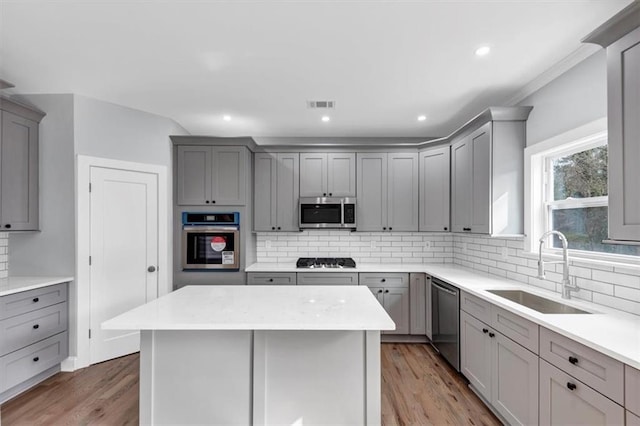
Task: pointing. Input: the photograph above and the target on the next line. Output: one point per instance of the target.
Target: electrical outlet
(504, 253)
(267, 244)
(373, 244)
(464, 247)
(427, 244)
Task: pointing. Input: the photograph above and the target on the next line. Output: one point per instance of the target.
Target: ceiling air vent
(321, 104)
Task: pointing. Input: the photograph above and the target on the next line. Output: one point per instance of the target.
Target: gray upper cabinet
(487, 178)
(276, 191)
(387, 188)
(211, 175)
(621, 37)
(434, 185)
(328, 174)
(18, 167)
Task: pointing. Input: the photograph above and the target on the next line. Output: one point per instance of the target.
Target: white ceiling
(383, 62)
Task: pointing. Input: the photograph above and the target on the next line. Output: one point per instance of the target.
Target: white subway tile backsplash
(4, 255)
(617, 287)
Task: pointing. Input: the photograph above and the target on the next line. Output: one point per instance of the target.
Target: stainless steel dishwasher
(445, 317)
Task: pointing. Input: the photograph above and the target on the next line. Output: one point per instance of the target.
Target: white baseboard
(69, 364)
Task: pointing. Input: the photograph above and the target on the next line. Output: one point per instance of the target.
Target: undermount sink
(537, 303)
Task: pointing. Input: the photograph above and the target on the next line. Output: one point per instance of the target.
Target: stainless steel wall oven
(210, 241)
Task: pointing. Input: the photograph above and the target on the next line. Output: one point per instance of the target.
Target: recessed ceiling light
(226, 117)
(326, 118)
(483, 50)
(422, 117)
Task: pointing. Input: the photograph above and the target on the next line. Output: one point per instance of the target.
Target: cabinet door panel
(287, 194)
(623, 76)
(229, 176)
(372, 192)
(515, 382)
(481, 180)
(396, 303)
(264, 190)
(560, 405)
(461, 185)
(402, 192)
(19, 173)
(434, 189)
(341, 174)
(313, 179)
(475, 354)
(194, 175)
(417, 309)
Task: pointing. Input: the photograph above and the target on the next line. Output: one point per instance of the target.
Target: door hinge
(89, 333)
(89, 260)
(89, 186)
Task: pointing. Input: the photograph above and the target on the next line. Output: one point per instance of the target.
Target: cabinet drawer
(518, 329)
(632, 419)
(581, 405)
(283, 278)
(384, 280)
(23, 330)
(632, 389)
(25, 363)
(481, 309)
(27, 301)
(327, 278)
(593, 368)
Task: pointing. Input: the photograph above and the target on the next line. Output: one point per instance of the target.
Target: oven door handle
(446, 290)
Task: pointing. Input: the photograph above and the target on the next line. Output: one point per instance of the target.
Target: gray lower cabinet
(327, 278)
(276, 191)
(597, 370)
(211, 175)
(434, 169)
(268, 278)
(565, 400)
(632, 419)
(387, 188)
(33, 337)
(18, 166)
(632, 389)
(503, 372)
(417, 304)
(428, 321)
(620, 35)
(392, 291)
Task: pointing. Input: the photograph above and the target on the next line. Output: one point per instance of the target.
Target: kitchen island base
(259, 377)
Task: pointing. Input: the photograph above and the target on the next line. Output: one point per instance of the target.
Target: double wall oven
(210, 241)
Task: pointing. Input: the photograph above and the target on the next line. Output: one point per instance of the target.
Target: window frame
(537, 190)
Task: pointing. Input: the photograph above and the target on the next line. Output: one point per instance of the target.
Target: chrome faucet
(567, 286)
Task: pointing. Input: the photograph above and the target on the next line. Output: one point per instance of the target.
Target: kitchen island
(259, 355)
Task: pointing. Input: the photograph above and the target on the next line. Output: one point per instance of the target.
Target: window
(569, 194)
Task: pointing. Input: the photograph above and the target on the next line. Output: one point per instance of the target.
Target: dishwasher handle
(446, 290)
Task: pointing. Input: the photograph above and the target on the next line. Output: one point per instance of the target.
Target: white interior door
(123, 248)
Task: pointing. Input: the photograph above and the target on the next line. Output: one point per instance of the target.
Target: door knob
(151, 268)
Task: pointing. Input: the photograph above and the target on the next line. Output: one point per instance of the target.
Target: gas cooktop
(325, 262)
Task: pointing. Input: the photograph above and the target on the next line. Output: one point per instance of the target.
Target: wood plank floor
(418, 388)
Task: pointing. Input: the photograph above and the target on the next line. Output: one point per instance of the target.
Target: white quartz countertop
(606, 330)
(258, 308)
(13, 285)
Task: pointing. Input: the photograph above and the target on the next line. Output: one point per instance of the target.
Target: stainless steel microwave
(327, 213)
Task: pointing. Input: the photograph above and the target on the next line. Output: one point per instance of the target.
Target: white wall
(575, 98)
(80, 125)
(52, 250)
